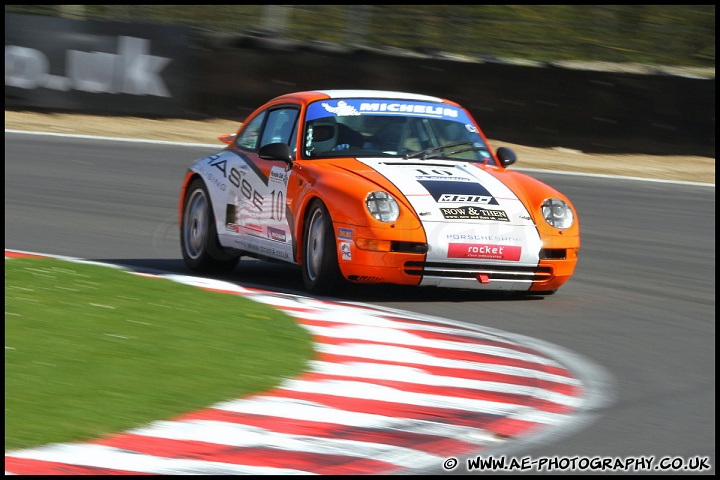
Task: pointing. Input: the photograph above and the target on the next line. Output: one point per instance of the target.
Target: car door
(256, 219)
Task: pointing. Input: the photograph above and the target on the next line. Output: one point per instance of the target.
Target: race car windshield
(365, 128)
(445, 151)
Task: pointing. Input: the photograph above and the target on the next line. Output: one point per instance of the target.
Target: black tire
(320, 270)
(201, 250)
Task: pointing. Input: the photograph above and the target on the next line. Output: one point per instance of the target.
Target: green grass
(92, 350)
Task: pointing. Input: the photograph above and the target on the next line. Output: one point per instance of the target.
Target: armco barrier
(152, 70)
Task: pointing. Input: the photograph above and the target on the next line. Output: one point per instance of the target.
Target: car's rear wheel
(320, 269)
(201, 249)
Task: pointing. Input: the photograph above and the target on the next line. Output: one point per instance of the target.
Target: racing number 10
(435, 172)
(276, 206)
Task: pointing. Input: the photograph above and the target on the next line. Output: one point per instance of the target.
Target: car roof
(313, 95)
(388, 94)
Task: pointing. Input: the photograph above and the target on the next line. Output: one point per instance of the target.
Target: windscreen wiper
(435, 151)
(462, 150)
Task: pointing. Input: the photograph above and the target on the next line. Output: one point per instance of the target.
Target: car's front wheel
(201, 250)
(321, 273)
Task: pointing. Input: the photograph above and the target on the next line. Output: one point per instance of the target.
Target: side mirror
(276, 151)
(506, 156)
(227, 137)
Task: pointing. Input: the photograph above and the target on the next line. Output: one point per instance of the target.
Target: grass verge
(92, 350)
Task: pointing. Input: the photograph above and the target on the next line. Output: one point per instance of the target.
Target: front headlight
(557, 213)
(382, 206)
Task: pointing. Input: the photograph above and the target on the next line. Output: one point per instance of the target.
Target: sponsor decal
(473, 213)
(454, 192)
(481, 238)
(276, 234)
(342, 109)
(441, 178)
(345, 233)
(253, 227)
(236, 178)
(233, 227)
(453, 198)
(278, 175)
(494, 252)
(345, 251)
(267, 251)
(381, 106)
(216, 181)
(409, 108)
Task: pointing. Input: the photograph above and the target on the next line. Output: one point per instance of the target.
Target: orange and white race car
(368, 186)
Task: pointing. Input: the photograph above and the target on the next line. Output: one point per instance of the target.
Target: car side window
(250, 135)
(279, 126)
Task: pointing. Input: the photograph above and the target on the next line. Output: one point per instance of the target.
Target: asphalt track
(390, 392)
(641, 306)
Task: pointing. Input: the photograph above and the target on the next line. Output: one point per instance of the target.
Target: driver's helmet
(324, 135)
(454, 132)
